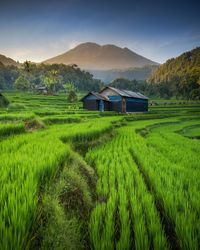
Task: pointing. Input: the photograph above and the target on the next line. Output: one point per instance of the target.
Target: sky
(40, 29)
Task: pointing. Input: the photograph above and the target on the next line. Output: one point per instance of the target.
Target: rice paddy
(145, 189)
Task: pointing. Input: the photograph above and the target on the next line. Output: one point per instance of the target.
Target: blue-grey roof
(128, 93)
(97, 95)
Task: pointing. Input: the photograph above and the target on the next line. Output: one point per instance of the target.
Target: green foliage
(123, 83)
(71, 92)
(51, 81)
(69, 87)
(3, 101)
(72, 97)
(8, 75)
(22, 83)
(2, 82)
(53, 76)
(179, 76)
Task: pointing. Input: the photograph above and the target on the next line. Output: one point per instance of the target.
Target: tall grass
(127, 203)
(11, 129)
(27, 162)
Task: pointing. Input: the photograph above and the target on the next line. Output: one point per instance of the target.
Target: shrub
(3, 101)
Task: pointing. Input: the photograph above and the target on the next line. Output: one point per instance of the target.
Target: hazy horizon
(157, 30)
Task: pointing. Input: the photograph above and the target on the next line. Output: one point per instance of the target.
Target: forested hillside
(54, 76)
(180, 75)
(8, 74)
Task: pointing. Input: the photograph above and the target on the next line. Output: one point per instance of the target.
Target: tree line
(30, 76)
(179, 77)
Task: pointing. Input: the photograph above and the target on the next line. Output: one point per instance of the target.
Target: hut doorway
(101, 105)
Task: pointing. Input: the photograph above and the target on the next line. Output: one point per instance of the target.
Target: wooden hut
(41, 90)
(112, 99)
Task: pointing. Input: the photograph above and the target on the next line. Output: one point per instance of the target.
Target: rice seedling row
(126, 204)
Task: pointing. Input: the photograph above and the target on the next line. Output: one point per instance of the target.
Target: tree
(72, 96)
(69, 87)
(22, 83)
(2, 82)
(195, 94)
(71, 92)
(51, 80)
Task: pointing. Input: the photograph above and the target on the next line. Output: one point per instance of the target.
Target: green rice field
(75, 179)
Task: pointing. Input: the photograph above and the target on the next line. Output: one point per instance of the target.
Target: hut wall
(136, 105)
(90, 104)
(115, 103)
(107, 106)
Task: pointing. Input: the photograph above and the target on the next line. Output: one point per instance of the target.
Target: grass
(66, 204)
(11, 129)
(35, 159)
(138, 190)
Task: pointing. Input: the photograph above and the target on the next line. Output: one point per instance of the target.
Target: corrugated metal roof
(97, 95)
(100, 96)
(128, 93)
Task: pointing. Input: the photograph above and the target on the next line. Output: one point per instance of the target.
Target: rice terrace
(74, 179)
(100, 125)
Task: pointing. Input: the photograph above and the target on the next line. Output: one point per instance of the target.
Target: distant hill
(179, 76)
(175, 69)
(92, 56)
(108, 76)
(8, 61)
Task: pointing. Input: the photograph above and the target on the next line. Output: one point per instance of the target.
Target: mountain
(92, 56)
(185, 65)
(8, 61)
(108, 76)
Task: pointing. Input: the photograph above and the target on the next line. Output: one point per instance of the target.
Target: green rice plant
(11, 129)
(61, 119)
(16, 106)
(15, 117)
(174, 178)
(138, 220)
(35, 160)
(143, 181)
(118, 171)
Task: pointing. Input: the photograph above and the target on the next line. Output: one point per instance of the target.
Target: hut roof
(126, 93)
(97, 95)
(41, 88)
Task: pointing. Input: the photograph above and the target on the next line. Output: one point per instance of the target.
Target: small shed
(41, 89)
(96, 101)
(112, 99)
